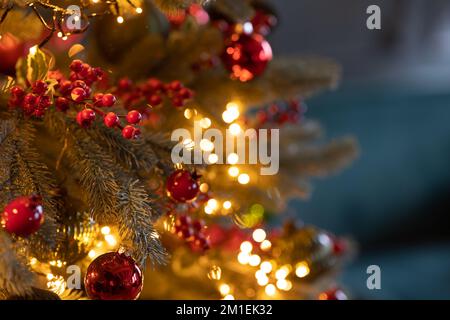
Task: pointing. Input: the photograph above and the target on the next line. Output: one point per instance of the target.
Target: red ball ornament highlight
(182, 186)
(113, 276)
(333, 294)
(23, 216)
(246, 56)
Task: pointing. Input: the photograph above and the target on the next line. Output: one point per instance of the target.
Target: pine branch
(136, 217)
(15, 277)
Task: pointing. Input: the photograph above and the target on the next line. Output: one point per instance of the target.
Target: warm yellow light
(33, 50)
(233, 171)
(188, 144)
(205, 123)
(227, 205)
(259, 235)
(244, 178)
(266, 245)
(33, 261)
(59, 34)
(120, 19)
(64, 38)
(260, 274)
(204, 187)
(246, 246)
(91, 254)
(227, 116)
(281, 273)
(138, 10)
(243, 257)
(232, 158)
(106, 230)
(111, 240)
(270, 290)
(209, 210)
(228, 297)
(213, 158)
(49, 276)
(224, 289)
(233, 110)
(206, 145)
(235, 129)
(302, 269)
(212, 203)
(284, 284)
(266, 267)
(188, 113)
(95, 1)
(262, 281)
(254, 260)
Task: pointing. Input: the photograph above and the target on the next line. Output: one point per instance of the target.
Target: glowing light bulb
(205, 123)
(188, 144)
(227, 205)
(106, 230)
(302, 269)
(228, 297)
(188, 113)
(206, 145)
(209, 210)
(139, 10)
(259, 235)
(254, 260)
(204, 187)
(235, 129)
(262, 281)
(244, 178)
(281, 273)
(233, 171)
(120, 19)
(91, 254)
(246, 246)
(266, 245)
(232, 158)
(213, 158)
(243, 257)
(266, 267)
(33, 50)
(284, 284)
(212, 203)
(224, 289)
(111, 240)
(270, 290)
(227, 117)
(233, 110)
(59, 34)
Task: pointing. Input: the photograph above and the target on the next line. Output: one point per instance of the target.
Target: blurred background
(395, 98)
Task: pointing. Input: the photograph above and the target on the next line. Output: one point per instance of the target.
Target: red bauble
(182, 186)
(113, 276)
(11, 49)
(265, 18)
(246, 56)
(23, 216)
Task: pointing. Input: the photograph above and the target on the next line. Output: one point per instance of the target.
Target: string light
(266, 267)
(139, 10)
(262, 281)
(243, 257)
(235, 129)
(259, 235)
(188, 113)
(120, 19)
(232, 158)
(284, 284)
(33, 50)
(270, 290)
(233, 171)
(206, 145)
(244, 178)
(246, 246)
(105, 230)
(265, 245)
(302, 269)
(254, 260)
(228, 297)
(205, 123)
(227, 205)
(224, 289)
(111, 240)
(213, 158)
(204, 187)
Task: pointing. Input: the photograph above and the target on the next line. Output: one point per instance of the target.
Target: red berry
(76, 65)
(108, 100)
(40, 87)
(181, 186)
(85, 117)
(98, 99)
(183, 221)
(154, 84)
(155, 100)
(79, 83)
(111, 119)
(133, 117)
(198, 225)
(130, 132)
(65, 87)
(78, 94)
(175, 85)
(184, 233)
(124, 84)
(85, 70)
(178, 102)
(17, 91)
(201, 243)
(98, 73)
(23, 216)
(43, 102)
(62, 104)
(185, 93)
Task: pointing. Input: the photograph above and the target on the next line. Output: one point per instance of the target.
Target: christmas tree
(89, 97)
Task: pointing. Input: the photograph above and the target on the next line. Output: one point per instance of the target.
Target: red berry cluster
(192, 231)
(291, 112)
(33, 103)
(76, 93)
(152, 92)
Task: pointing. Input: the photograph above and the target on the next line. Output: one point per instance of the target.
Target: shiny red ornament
(265, 18)
(182, 186)
(23, 216)
(11, 49)
(113, 276)
(246, 56)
